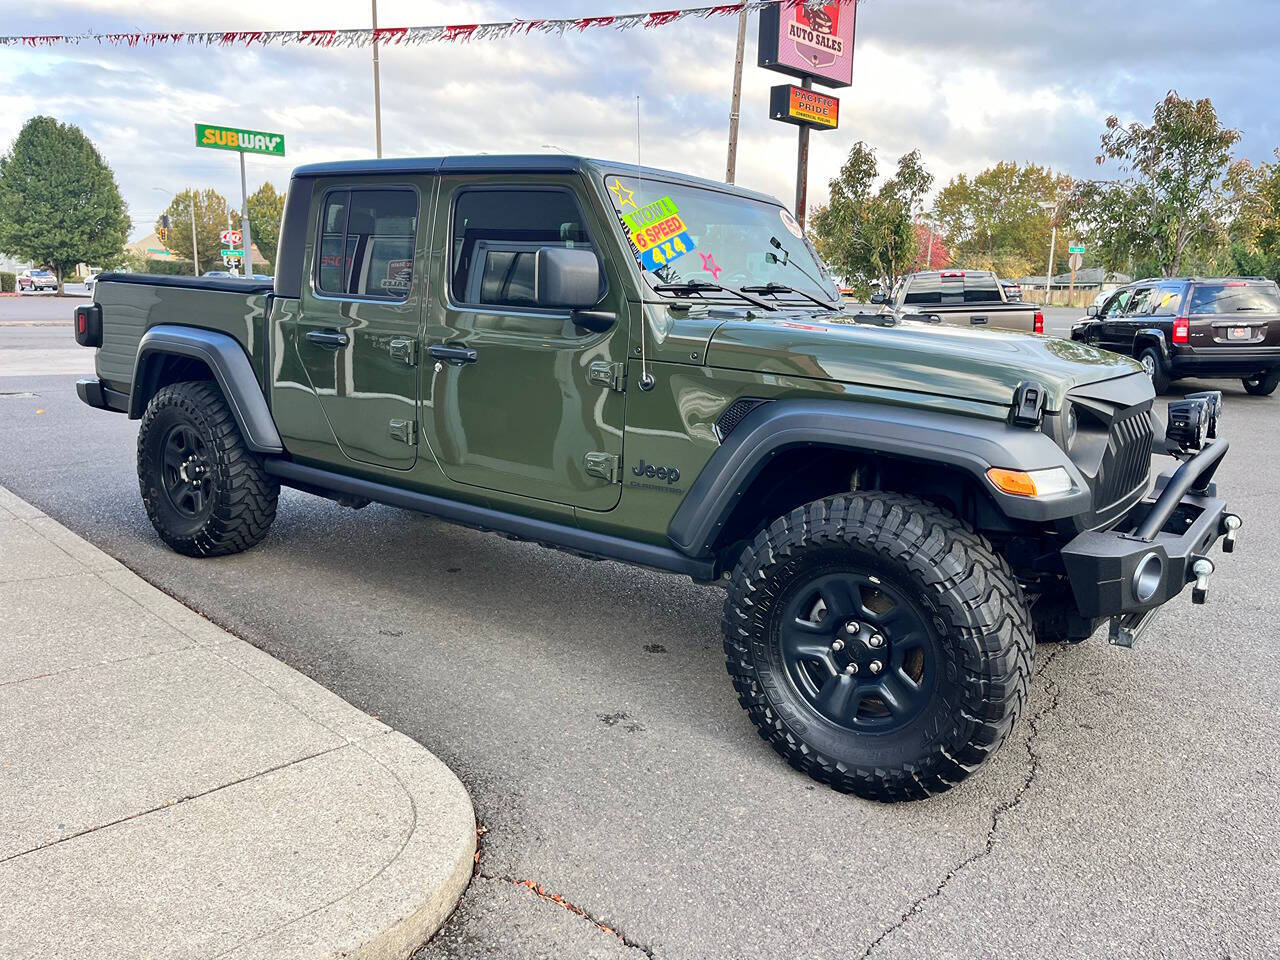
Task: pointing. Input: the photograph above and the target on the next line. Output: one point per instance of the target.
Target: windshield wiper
(703, 286)
(776, 288)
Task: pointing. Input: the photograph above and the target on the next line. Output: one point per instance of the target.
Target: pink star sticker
(710, 266)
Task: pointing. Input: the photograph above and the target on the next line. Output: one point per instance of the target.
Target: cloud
(969, 85)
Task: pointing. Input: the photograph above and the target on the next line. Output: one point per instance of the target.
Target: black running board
(572, 539)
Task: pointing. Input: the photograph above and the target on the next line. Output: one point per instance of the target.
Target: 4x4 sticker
(658, 233)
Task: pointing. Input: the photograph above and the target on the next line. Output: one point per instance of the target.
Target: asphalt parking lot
(586, 707)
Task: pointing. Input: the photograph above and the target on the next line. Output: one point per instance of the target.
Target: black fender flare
(973, 445)
(223, 355)
(1151, 335)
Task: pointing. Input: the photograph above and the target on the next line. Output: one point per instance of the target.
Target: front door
(517, 398)
(358, 328)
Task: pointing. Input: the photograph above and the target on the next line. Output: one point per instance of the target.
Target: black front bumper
(1148, 558)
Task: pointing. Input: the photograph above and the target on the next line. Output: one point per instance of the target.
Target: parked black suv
(1193, 327)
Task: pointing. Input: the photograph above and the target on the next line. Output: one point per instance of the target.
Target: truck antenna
(646, 379)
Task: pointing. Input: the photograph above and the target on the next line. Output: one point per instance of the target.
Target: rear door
(359, 317)
(1234, 313)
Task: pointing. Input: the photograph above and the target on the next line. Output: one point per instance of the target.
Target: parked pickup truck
(963, 298)
(655, 369)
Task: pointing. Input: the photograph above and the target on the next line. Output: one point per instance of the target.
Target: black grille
(1127, 461)
(734, 414)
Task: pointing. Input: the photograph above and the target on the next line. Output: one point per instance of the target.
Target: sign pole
(802, 165)
(247, 262)
(736, 101)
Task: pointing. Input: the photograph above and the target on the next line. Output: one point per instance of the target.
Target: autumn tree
(212, 216)
(59, 203)
(266, 208)
(932, 251)
(994, 219)
(866, 233)
(1254, 233)
(1174, 199)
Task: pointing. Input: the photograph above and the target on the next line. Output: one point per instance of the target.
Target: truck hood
(982, 365)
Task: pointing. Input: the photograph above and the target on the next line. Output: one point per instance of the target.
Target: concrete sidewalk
(167, 790)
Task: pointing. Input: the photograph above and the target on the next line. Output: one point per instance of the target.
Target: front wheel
(206, 493)
(1263, 385)
(879, 644)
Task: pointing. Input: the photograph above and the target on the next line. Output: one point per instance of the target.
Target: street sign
(812, 40)
(1076, 249)
(792, 104)
(245, 141)
(232, 238)
(1075, 260)
(233, 253)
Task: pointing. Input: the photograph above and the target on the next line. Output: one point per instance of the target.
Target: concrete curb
(177, 792)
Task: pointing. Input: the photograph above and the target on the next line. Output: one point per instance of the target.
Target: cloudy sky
(968, 83)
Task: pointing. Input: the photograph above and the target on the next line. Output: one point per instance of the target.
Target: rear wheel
(206, 493)
(879, 644)
(1263, 385)
(1154, 366)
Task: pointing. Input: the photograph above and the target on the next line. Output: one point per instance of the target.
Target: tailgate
(1001, 316)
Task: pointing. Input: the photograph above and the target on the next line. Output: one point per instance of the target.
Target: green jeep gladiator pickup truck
(652, 368)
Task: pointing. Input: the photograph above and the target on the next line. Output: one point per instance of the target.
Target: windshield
(687, 234)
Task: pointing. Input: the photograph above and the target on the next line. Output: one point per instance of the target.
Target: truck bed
(133, 303)
(1005, 316)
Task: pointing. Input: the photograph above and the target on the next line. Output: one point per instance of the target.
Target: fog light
(1147, 577)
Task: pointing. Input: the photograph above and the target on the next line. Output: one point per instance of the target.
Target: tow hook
(1201, 570)
(1230, 524)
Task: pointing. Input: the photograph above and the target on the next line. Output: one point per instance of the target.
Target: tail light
(89, 325)
(1039, 322)
(1182, 330)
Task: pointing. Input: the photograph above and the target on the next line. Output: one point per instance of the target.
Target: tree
(59, 203)
(994, 220)
(930, 257)
(266, 208)
(868, 235)
(1175, 202)
(1254, 233)
(213, 215)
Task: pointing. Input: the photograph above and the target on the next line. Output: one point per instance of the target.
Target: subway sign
(244, 141)
(804, 108)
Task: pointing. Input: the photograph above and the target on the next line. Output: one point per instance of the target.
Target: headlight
(1040, 484)
(1070, 426)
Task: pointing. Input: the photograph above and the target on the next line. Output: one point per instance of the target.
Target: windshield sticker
(710, 266)
(624, 195)
(792, 225)
(658, 233)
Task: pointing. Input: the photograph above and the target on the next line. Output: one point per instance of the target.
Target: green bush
(169, 268)
(8, 282)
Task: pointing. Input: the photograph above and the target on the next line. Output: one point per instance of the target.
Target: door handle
(456, 355)
(978, 319)
(329, 339)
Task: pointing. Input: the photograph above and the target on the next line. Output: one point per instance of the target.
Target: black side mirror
(565, 278)
(879, 297)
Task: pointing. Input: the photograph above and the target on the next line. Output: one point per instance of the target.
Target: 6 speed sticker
(658, 233)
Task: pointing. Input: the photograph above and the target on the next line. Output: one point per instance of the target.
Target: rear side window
(496, 236)
(1165, 301)
(1234, 298)
(366, 243)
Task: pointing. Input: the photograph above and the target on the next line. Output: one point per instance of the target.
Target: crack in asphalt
(555, 898)
(997, 814)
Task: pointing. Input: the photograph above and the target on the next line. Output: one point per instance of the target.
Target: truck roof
(511, 163)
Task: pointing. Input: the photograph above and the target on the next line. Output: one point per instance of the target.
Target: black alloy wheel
(186, 477)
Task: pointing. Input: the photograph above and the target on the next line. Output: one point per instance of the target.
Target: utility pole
(247, 237)
(802, 165)
(377, 88)
(736, 101)
(1052, 207)
(195, 254)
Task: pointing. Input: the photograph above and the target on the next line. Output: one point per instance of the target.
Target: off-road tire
(242, 495)
(977, 614)
(1263, 385)
(1154, 365)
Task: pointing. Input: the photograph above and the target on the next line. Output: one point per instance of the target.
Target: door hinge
(406, 350)
(406, 431)
(611, 375)
(602, 465)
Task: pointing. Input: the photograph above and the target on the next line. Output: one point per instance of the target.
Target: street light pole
(735, 102)
(377, 88)
(1053, 239)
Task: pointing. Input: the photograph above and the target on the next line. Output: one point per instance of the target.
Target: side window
(926, 289)
(496, 236)
(366, 243)
(1140, 303)
(1165, 301)
(1115, 306)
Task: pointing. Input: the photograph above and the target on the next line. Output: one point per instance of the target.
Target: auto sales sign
(809, 40)
(244, 141)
